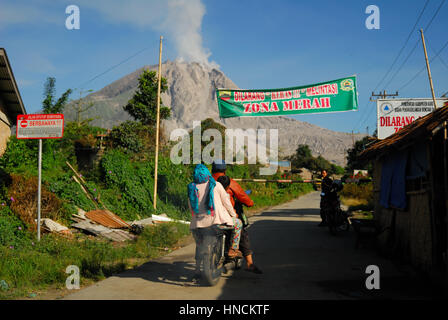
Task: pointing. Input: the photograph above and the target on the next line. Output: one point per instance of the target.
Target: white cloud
(35, 62)
(14, 13)
(24, 82)
(178, 20)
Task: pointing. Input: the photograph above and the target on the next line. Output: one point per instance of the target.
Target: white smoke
(180, 21)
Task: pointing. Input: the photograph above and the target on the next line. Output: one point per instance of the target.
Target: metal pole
(158, 120)
(429, 70)
(39, 188)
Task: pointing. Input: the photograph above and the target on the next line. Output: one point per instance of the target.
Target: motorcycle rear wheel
(213, 266)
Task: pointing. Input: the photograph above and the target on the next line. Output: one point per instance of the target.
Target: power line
(113, 67)
(417, 42)
(405, 43)
(440, 58)
(396, 58)
(406, 59)
(421, 70)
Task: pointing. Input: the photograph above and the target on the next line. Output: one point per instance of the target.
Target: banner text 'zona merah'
(332, 96)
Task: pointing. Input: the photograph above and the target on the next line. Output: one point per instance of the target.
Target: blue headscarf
(201, 175)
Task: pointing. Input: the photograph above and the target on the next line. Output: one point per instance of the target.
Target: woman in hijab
(210, 205)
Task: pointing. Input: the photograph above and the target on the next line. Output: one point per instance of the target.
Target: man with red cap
(238, 197)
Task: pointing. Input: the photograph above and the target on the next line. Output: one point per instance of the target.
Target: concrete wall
(5, 130)
(410, 237)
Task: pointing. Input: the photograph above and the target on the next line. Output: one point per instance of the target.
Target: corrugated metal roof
(419, 129)
(9, 91)
(107, 219)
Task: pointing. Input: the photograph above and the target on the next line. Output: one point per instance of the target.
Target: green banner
(332, 96)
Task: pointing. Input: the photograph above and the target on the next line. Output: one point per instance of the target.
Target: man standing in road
(325, 189)
(237, 194)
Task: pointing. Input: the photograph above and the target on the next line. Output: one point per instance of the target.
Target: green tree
(143, 105)
(50, 104)
(81, 106)
(353, 154)
(302, 157)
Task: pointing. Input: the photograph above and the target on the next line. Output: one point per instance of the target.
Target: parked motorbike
(337, 219)
(214, 254)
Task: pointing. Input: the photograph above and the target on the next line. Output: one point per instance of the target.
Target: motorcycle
(216, 244)
(337, 219)
(214, 250)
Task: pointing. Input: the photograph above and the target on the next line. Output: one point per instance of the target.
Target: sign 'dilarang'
(332, 96)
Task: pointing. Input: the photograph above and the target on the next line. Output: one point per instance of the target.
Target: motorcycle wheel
(213, 267)
(238, 264)
(345, 226)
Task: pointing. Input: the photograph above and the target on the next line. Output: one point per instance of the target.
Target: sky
(258, 44)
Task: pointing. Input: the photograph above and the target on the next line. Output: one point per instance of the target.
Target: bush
(360, 192)
(23, 201)
(20, 155)
(13, 232)
(126, 136)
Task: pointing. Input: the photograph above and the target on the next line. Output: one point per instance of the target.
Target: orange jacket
(236, 191)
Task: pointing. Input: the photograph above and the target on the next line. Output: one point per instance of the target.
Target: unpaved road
(299, 261)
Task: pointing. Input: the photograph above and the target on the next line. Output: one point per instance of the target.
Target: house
(410, 177)
(283, 166)
(11, 103)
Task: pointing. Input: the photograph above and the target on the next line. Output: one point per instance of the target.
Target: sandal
(253, 268)
(233, 253)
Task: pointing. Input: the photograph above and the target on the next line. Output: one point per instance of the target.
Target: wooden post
(429, 70)
(158, 126)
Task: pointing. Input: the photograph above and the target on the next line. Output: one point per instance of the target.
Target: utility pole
(383, 95)
(428, 69)
(158, 126)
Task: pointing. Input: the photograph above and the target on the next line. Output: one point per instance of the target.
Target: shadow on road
(177, 273)
(303, 261)
(299, 261)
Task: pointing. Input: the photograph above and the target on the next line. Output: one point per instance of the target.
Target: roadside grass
(125, 187)
(359, 199)
(38, 267)
(271, 194)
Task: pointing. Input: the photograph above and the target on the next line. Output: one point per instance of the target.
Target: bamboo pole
(428, 69)
(157, 125)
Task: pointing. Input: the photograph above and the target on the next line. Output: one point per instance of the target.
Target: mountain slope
(191, 96)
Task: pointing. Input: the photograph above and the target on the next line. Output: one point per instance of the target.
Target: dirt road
(299, 261)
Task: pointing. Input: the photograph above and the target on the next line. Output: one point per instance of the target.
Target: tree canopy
(143, 105)
(50, 104)
(353, 153)
(304, 159)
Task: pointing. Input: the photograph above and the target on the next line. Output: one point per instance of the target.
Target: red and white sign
(40, 126)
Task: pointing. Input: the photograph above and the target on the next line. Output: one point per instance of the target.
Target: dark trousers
(245, 243)
(323, 204)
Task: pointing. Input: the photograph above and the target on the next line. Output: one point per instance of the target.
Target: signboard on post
(394, 114)
(40, 126)
(331, 96)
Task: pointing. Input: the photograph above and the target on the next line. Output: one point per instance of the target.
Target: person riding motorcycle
(210, 205)
(325, 200)
(238, 197)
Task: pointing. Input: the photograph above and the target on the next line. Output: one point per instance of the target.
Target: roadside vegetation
(118, 167)
(359, 199)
